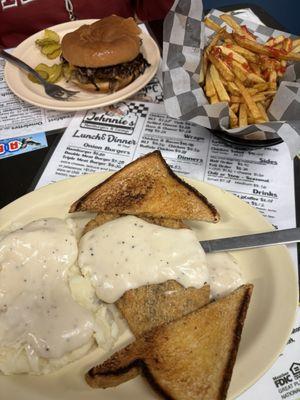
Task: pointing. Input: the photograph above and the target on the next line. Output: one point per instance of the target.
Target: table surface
(19, 174)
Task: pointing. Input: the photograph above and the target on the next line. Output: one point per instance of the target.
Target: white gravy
(36, 306)
(128, 252)
(37, 309)
(224, 273)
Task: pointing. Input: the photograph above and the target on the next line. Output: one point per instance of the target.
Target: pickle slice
(55, 73)
(49, 44)
(51, 73)
(55, 54)
(51, 35)
(33, 78)
(51, 48)
(45, 42)
(42, 67)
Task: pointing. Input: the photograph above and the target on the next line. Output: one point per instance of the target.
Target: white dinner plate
(269, 320)
(33, 93)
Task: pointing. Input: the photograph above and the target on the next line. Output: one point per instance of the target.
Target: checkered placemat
(140, 109)
(184, 39)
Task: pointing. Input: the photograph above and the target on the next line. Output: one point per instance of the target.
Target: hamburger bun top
(109, 41)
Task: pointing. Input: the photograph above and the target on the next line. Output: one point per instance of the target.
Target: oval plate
(33, 93)
(267, 327)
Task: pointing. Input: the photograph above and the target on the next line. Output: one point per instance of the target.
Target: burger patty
(113, 74)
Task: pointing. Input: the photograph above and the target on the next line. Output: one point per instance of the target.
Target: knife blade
(252, 241)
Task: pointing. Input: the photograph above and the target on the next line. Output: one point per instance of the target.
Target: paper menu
(107, 139)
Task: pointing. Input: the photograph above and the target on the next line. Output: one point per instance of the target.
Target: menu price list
(258, 176)
(78, 161)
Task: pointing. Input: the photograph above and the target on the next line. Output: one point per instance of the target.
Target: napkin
(185, 37)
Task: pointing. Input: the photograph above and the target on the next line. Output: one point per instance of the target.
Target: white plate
(269, 320)
(33, 93)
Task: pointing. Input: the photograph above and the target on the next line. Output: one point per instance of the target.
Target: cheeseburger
(104, 56)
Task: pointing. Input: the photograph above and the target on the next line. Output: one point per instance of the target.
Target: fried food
(248, 100)
(220, 89)
(243, 121)
(149, 306)
(249, 71)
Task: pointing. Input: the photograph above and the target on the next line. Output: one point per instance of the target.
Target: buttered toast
(190, 358)
(147, 187)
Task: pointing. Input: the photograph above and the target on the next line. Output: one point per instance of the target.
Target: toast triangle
(190, 358)
(147, 187)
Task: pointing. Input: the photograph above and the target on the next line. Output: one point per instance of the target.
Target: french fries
(212, 25)
(231, 53)
(235, 26)
(214, 99)
(235, 107)
(221, 67)
(259, 48)
(243, 119)
(248, 100)
(209, 86)
(243, 72)
(221, 91)
(262, 111)
(233, 119)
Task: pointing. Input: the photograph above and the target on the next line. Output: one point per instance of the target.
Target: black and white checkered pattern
(140, 109)
(184, 38)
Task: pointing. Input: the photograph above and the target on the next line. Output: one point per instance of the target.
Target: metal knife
(251, 241)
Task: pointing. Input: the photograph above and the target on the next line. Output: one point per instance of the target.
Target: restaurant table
(19, 174)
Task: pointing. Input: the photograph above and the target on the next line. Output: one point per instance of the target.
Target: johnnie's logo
(110, 122)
